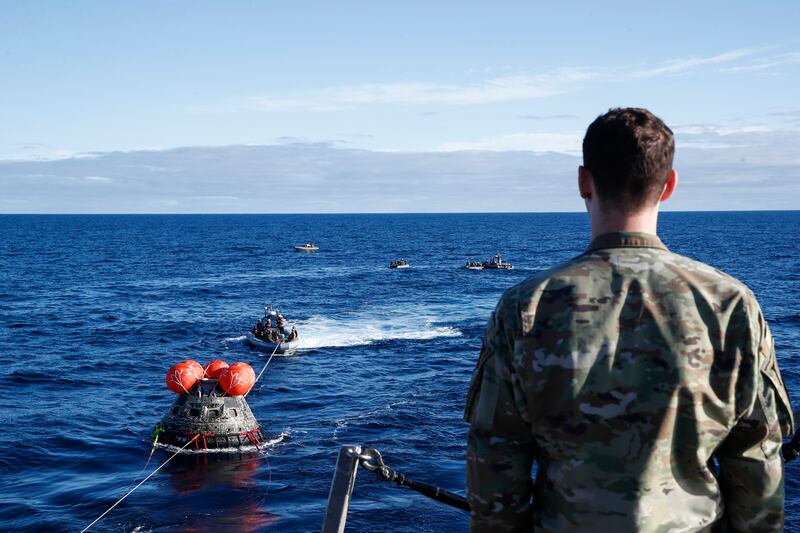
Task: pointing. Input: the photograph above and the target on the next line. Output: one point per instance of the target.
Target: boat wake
(322, 332)
(234, 340)
(366, 327)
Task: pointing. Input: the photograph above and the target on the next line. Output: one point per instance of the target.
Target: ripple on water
(110, 303)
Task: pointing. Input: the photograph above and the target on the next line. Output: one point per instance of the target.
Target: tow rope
(385, 473)
(140, 483)
(265, 367)
(158, 430)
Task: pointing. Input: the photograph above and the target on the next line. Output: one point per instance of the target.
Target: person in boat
(644, 384)
(258, 329)
(281, 328)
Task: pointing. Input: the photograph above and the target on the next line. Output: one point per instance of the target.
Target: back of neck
(645, 221)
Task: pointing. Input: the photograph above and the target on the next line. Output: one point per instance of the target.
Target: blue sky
(378, 78)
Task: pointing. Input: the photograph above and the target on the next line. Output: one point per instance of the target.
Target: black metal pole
(431, 491)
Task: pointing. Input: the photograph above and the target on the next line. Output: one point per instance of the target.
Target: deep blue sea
(95, 309)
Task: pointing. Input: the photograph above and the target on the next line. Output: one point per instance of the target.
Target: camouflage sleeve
(500, 448)
(751, 466)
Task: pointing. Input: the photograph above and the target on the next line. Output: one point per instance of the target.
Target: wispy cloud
(769, 147)
(690, 64)
(763, 65)
(786, 113)
(712, 129)
(567, 143)
(719, 168)
(787, 116)
(547, 117)
(511, 87)
(215, 198)
(35, 152)
(502, 89)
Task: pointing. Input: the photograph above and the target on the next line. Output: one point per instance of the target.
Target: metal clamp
(378, 467)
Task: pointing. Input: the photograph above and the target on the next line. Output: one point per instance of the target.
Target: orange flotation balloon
(214, 368)
(237, 379)
(198, 368)
(181, 377)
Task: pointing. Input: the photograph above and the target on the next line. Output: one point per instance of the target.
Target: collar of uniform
(626, 239)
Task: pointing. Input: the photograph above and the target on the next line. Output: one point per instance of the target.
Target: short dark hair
(629, 152)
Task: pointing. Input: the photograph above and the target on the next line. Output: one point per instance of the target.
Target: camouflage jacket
(643, 385)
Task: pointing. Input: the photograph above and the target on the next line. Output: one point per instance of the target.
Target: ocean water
(94, 310)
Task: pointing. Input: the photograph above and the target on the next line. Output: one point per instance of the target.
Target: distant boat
(497, 263)
(399, 263)
(473, 265)
(307, 247)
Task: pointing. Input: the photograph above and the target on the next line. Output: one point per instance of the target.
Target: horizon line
(340, 213)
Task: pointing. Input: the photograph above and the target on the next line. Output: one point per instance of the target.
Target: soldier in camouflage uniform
(641, 383)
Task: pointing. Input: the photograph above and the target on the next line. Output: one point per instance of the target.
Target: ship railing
(351, 457)
(344, 480)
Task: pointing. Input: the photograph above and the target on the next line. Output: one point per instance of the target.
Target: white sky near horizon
(392, 79)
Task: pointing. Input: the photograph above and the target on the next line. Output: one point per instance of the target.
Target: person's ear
(669, 186)
(585, 185)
